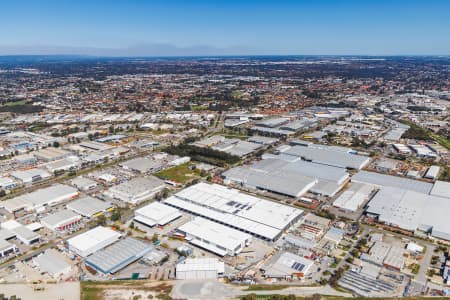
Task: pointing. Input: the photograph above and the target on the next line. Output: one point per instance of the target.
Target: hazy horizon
(204, 28)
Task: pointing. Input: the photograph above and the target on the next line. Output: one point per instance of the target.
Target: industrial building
(7, 183)
(441, 189)
(313, 227)
(411, 210)
(383, 254)
(117, 256)
(272, 122)
(52, 263)
(214, 237)
(63, 165)
(381, 180)
(51, 154)
(156, 213)
(30, 176)
(13, 229)
(40, 199)
(200, 268)
(136, 190)
(93, 240)
(25, 235)
(292, 177)
(263, 140)
(329, 155)
(143, 165)
(355, 196)
(231, 146)
(432, 172)
(278, 181)
(61, 221)
(7, 249)
(261, 218)
(286, 265)
(83, 183)
(89, 206)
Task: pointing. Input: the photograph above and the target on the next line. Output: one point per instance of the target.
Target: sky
(219, 27)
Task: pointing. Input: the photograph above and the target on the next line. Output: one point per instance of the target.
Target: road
(364, 234)
(212, 289)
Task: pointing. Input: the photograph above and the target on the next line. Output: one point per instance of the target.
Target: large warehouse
(136, 190)
(40, 199)
(262, 218)
(93, 240)
(381, 180)
(215, 237)
(61, 221)
(200, 268)
(355, 196)
(119, 255)
(292, 178)
(156, 213)
(89, 206)
(329, 155)
(411, 210)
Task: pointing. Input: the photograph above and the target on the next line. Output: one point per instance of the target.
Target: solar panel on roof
(298, 266)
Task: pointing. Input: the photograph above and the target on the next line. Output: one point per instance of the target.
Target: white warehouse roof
(156, 213)
(92, 240)
(411, 210)
(263, 218)
(215, 237)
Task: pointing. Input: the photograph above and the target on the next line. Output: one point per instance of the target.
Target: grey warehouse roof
(88, 206)
(329, 156)
(393, 181)
(412, 210)
(118, 255)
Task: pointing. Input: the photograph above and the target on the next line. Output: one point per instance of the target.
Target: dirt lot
(118, 290)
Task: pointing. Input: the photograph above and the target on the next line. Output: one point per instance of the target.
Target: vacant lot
(127, 290)
(182, 173)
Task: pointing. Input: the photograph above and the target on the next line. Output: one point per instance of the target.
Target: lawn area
(14, 103)
(442, 140)
(181, 173)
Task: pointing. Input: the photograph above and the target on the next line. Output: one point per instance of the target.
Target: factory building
(432, 172)
(61, 221)
(117, 256)
(262, 218)
(28, 177)
(292, 177)
(355, 196)
(156, 213)
(329, 155)
(143, 165)
(411, 210)
(52, 263)
(7, 249)
(286, 265)
(200, 268)
(136, 190)
(93, 240)
(214, 237)
(89, 206)
(83, 183)
(51, 154)
(381, 180)
(39, 200)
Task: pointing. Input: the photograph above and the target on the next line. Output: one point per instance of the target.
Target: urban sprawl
(223, 178)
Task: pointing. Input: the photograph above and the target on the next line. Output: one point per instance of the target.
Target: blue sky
(191, 27)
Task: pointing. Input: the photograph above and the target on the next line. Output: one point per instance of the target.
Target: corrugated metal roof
(393, 181)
